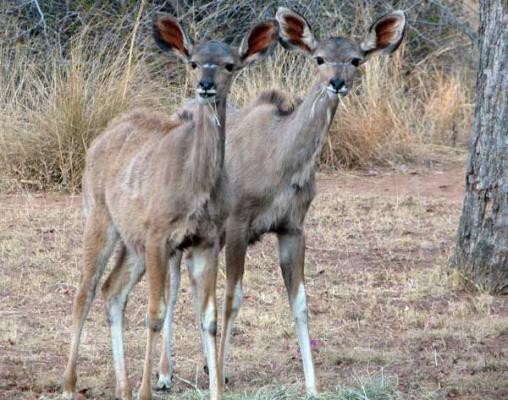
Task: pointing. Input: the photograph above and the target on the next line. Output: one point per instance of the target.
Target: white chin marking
(68, 396)
(331, 92)
(205, 100)
(164, 382)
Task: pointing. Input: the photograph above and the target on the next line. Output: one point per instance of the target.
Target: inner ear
(258, 43)
(170, 36)
(295, 31)
(385, 34)
(260, 39)
(387, 31)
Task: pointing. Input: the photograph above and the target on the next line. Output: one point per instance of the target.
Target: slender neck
(308, 127)
(207, 154)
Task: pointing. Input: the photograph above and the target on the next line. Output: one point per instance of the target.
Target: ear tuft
(386, 33)
(295, 31)
(170, 36)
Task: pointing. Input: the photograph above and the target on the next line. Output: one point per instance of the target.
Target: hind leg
(99, 241)
(128, 270)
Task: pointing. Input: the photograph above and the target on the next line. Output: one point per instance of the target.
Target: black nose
(337, 83)
(206, 84)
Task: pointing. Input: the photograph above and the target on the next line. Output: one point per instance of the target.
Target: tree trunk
(482, 250)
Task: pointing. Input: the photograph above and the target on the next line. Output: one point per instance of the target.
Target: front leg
(155, 255)
(291, 258)
(166, 363)
(203, 272)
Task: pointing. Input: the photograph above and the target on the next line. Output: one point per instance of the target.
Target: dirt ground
(382, 299)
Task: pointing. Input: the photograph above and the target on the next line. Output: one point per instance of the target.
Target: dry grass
(52, 111)
(51, 107)
(393, 117)
(381, 303)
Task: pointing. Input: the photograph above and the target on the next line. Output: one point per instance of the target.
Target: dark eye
(320, 60)
(356, 61)
(229, 67)
(193, 65)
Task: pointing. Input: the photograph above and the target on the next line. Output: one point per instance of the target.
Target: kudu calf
(271, 150)
(157, 186)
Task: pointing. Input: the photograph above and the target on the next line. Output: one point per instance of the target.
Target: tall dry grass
(398, 116)
(52, 110)
(393, 115)
(52, 106)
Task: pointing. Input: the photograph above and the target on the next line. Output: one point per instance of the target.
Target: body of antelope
(271, 149)
(157, 187)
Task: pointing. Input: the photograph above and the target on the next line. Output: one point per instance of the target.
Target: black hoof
(205, 370)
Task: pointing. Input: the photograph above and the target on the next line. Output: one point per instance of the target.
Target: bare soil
(382, 299)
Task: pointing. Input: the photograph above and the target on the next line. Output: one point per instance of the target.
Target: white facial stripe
(208, 65)
(336, 63)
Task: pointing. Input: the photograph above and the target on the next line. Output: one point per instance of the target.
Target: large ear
(295, 31)
(170, 36)
(259, 42)
(385, 34)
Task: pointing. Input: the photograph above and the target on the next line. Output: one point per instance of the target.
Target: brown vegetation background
(65, 72)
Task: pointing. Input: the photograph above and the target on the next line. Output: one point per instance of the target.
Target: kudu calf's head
(338, 57)
(213, 63)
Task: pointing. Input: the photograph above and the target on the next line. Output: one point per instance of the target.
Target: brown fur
(149, 120)
(285, 103)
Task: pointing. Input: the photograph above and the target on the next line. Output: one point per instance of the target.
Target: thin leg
(204, 278)
(98, 243)
(166, 364)
(236, 249)
(156, 268)
(127, 272)
(197, 308)
(292, 256)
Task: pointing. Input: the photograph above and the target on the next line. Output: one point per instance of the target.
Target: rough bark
(482, 249)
